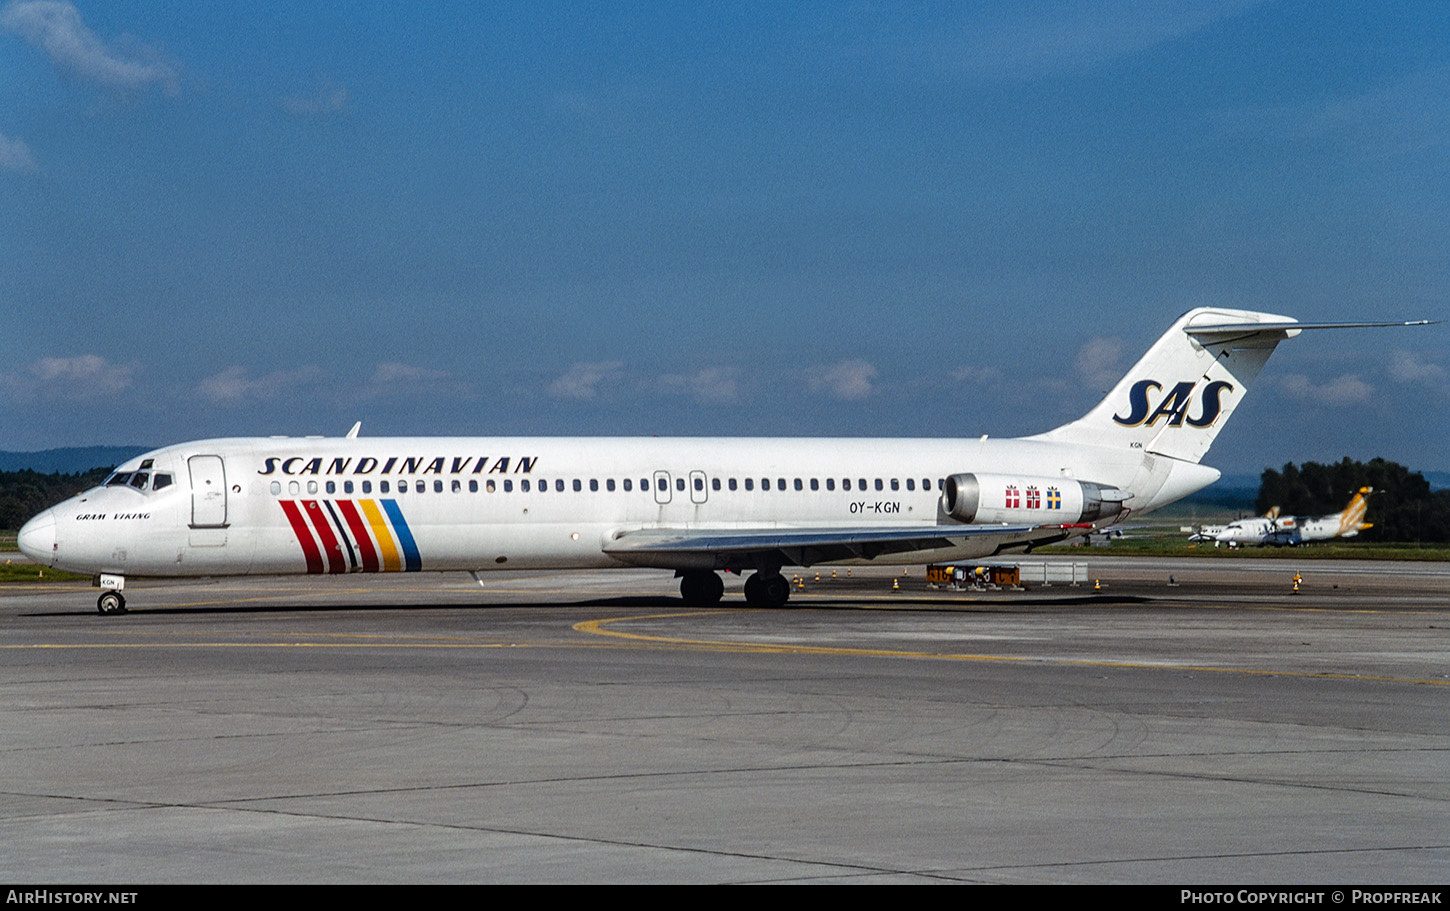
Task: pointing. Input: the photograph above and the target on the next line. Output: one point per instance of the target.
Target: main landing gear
(767, 589)
(764, 588)
(701, 588)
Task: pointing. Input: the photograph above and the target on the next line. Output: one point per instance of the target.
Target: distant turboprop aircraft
(1207, 533)
(1296, 530)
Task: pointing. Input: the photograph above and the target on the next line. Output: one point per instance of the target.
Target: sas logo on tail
(1174, 405)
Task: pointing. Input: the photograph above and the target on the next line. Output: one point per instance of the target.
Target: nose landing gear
(111, 603)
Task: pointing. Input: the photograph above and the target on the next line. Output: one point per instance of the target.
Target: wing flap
(743, 548)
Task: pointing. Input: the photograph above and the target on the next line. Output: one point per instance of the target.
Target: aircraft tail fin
(1180, 394)
(1351, 520)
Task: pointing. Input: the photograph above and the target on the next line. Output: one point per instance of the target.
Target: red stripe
(360, 535)
(336, 563)
(304, 536)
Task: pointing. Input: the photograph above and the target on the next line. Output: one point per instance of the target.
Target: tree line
(25, 493)
(1403, 507)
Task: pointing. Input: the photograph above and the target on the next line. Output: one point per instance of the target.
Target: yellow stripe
(391, 563)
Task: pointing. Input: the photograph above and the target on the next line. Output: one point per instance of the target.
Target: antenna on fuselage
(352, 434)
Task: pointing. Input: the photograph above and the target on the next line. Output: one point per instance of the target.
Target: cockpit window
(139, 479)
(118, 479)
(162, 479)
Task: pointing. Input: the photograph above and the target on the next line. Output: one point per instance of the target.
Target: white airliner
(1297, 530)
(696, 506)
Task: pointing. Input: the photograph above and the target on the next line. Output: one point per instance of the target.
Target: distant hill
(71, 460)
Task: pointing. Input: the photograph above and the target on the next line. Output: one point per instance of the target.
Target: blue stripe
(412, 562)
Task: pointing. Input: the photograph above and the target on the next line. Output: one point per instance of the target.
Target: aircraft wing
(742, 548)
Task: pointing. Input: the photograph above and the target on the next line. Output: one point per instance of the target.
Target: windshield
(139, 480)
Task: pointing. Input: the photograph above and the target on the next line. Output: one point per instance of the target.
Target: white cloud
(1097, 362)
(1025, 41)
(1406, 367)
(398, 379)
(15, 155)
(86, 377)
(976, 376)
(849, 380)
(56, 28)
(1344, 390)
(1403, 118)
(718, 385)
(582, 381)
(235, 384)
(329, 99)
(392, 373)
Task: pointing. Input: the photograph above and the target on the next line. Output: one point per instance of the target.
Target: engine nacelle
(1027, 500)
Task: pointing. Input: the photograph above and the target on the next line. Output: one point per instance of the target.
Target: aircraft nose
(37, 538)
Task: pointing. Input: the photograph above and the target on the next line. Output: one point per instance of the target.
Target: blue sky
(722, 219)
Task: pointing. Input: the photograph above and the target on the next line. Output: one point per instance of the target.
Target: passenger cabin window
(332, 487)
(347, 487)
(276, 488)
(367, 487)
(628, 485)
(830, 483)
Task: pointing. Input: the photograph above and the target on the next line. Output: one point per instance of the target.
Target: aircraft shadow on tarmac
(653, 602)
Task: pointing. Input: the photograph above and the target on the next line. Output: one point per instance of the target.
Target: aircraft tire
(111, 603)
(767, 590)
(701, 588)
